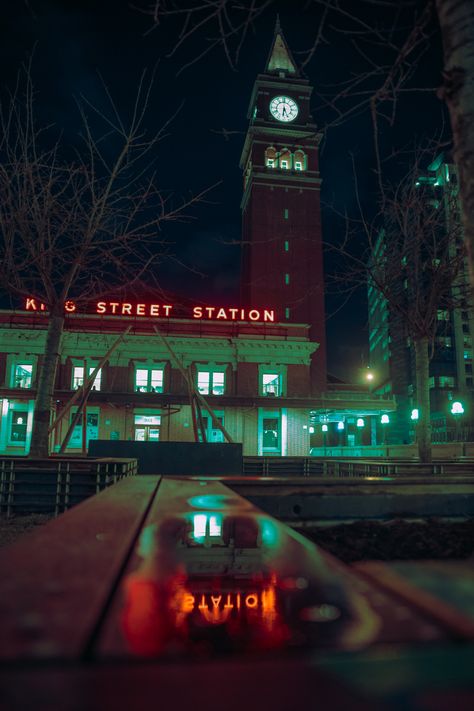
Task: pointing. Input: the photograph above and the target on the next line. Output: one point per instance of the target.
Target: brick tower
(282, 262)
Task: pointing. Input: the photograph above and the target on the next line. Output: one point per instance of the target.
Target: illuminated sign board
(148, 310)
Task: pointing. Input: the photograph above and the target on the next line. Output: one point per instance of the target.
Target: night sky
(75, 42)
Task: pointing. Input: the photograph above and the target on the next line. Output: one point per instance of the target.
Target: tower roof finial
(277, 24)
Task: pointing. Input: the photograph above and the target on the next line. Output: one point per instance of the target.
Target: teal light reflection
(270, 533)
(210, 501)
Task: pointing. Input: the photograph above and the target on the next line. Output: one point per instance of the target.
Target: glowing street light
(415, 414)
(457, 408)
(385, 419)
(340, 425)
(324, 428)
(360, 422)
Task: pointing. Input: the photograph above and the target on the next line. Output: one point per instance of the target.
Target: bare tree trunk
(423, 399)
(44, 397)
(456, 19)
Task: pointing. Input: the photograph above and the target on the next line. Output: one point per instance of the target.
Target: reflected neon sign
(216, 608)
(149, 310)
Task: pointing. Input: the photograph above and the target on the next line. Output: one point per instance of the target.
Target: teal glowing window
(149, 380)
(206, 527)
(22, 376)
(271, 384)
(78, 377)
(211, 382)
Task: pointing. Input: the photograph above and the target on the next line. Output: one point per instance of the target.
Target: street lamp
(369, 378)
(457, 409)
(384, 420)
(324, 429)
(415, 414)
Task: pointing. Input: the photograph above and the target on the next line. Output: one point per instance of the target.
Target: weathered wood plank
(55, 581)
(225, 684)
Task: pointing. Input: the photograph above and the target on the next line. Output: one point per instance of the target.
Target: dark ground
(13, 527)
(396, 540)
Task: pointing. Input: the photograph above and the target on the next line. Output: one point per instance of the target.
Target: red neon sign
(147, 310)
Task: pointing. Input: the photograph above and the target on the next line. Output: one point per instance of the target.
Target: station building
(261, 366)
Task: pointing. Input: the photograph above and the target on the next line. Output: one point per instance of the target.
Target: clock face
(283, 108)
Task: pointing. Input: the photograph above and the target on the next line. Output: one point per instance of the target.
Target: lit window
(442, 315)
(285, 213)
(271, 384)
(271, 433)
(446, 381)
(211, 382)
(287, 312)
(200, 525)
(300, 160)
(287, 246)
(207, 526)
(270, 157)
(287, 279)
(149, 380)
(285, 159)
(22, 375)
(18, 427)
(78, 377)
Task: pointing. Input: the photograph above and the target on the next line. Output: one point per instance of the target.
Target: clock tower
(282, 262)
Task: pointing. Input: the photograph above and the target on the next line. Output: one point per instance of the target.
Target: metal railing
(53, 485)
(311, 466)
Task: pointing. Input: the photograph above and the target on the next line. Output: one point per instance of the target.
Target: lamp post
(415, 416)
(324, 429)
(360, 426)
(457, 410)
(384, 421)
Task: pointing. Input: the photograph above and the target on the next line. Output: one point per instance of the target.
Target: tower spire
(280, 59)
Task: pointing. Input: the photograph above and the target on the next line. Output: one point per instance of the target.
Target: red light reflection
(179, 615)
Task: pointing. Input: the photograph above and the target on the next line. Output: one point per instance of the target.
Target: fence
(311, 466)
(54, 485)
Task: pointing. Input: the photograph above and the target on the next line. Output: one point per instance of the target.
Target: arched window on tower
(300, 160)
(285, 159)
(270, 157)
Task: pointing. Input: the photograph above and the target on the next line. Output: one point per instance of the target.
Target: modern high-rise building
(391, 351)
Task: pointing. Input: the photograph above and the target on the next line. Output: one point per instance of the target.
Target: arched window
(285, 159)
(270, 157)
(300, 160)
